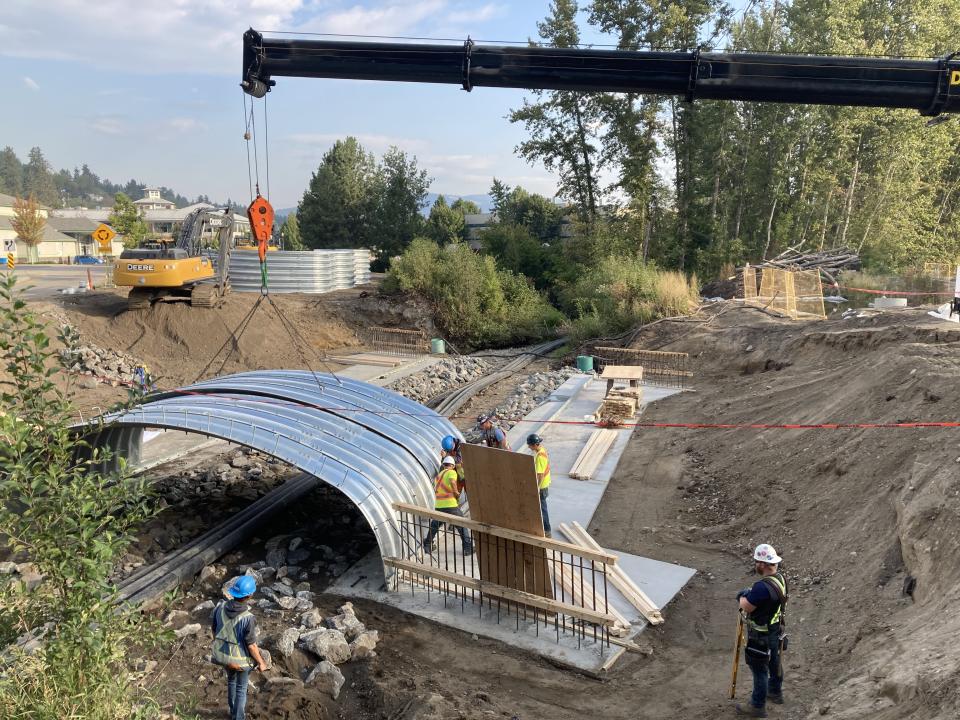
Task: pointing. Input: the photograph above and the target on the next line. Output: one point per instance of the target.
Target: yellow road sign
(104, 235)
(11, 261)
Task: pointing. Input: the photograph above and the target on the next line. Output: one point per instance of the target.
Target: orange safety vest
(446, 489)
(545, 482)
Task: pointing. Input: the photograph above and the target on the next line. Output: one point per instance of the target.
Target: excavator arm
(931, 86)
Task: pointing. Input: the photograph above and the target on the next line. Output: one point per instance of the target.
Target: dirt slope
(854, 512)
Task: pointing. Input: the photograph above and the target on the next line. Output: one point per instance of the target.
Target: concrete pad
(560, 420)
(382, 376)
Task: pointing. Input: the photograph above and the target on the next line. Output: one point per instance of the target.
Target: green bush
(623, 291)
(72, 522)
(474, 302)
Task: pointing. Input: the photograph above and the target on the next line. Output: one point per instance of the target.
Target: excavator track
(140, 299)
(205, 295)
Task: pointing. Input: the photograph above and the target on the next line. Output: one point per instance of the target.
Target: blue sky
(149, 90)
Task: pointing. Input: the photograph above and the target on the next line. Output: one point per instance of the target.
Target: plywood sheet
(622, 372)
(502, 490)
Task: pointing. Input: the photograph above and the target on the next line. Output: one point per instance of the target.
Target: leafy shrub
(622, 291)
(474, 301)
(72, 522)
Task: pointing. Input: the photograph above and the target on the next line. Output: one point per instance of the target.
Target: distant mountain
(281, 213)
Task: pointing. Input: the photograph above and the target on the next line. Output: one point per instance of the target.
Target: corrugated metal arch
(374, 445)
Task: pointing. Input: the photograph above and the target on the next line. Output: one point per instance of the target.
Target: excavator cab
(181, 272)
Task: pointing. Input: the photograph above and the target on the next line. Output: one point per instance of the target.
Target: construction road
(45, 281)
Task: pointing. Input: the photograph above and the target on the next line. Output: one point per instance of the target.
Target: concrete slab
(382, 376)
(560, 421)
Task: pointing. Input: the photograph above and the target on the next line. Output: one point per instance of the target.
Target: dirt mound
(180, 343)
(867, 519)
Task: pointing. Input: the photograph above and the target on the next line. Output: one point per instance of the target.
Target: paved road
(48, 280)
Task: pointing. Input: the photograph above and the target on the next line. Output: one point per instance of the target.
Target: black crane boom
(931, 86)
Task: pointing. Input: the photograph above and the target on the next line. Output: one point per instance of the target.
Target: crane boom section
(931, 86)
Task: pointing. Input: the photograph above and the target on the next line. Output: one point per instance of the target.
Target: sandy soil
(858, 515)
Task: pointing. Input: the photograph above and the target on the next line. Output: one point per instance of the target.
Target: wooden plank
(505, 593)
(582, 592)
(592, 454)
(617, 577)
(502, 488)
(622, 372)
(475, 526)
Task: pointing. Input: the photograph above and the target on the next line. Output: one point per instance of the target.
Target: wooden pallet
(618, 578)
(592, 454)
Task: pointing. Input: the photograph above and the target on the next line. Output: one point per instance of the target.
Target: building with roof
(61, 242)
(151, 200)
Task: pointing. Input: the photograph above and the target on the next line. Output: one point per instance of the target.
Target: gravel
(447, 374)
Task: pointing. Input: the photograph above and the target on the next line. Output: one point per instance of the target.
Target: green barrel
(585, 363)
(438, 346)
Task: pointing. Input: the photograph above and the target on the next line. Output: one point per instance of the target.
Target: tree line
(698, 185)
(65, 188)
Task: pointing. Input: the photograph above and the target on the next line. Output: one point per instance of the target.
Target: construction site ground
(860, 516)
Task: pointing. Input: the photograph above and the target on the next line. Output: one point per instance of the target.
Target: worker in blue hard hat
(450, 447)
(235, 642)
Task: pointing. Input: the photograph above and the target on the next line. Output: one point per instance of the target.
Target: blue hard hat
(243, 587)
(448, 443)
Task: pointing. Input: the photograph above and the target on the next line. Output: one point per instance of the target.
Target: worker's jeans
(767, 673)
(237, 693)
(544, 492)
(435, 526)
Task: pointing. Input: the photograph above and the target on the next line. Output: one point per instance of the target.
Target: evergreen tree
(399, 194)
(37, 179)
(465, 207)
(11, 172)
(290, 232)
(445, 224)
(336, 207)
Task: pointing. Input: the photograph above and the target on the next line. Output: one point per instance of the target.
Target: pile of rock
(100, 364)
(246, 475)
(333, 641)
(444, 375)
(528, 395)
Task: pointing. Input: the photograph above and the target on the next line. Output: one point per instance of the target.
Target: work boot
(775, 698)
(751, 711)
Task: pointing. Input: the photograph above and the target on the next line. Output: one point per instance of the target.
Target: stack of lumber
(616, 409)
(592, 454)
(369, 359)
(575, 589)
(575, 533)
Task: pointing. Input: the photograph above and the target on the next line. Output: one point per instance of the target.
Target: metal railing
(394, 341)
(662, 369)
(539, 583)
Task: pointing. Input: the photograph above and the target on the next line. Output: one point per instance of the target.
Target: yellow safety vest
(226, 646)
(777, 617)
(446, 489)
(542, 466)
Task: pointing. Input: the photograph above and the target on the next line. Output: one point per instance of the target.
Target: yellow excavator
(180, 272)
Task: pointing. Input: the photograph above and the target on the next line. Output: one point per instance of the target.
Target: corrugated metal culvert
(310, 271)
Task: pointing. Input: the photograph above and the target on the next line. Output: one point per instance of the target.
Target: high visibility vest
(778, 584)
(446, 489)
(227, 649)
(542, 465)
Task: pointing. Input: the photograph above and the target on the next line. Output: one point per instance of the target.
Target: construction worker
(451, 446)
(763, 605)
(542, 467)
(492, 435)
(235, 642)
(446, 492)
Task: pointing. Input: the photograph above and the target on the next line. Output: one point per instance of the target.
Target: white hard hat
(766, 554)
(448, 460)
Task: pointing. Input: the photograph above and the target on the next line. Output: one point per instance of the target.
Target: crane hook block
(260, 214)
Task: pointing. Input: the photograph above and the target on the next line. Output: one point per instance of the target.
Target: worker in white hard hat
(763, 607)
(446, 492)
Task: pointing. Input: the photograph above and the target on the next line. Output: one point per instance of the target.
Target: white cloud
(475, 15)
(390, 18)
(185, 124)
(31, 83)
(144, 37)
(108, 125)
